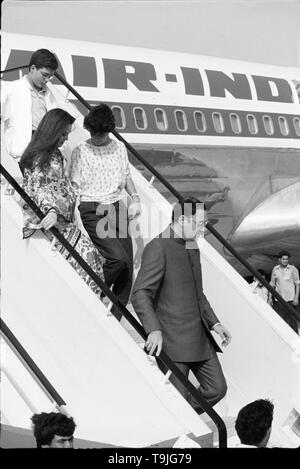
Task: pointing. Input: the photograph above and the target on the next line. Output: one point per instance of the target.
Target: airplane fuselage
(223, 130)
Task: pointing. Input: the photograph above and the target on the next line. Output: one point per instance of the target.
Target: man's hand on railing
(49, 221)
(223, 333)
(154, 342)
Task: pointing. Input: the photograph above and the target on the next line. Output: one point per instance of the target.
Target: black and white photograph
(150, 227)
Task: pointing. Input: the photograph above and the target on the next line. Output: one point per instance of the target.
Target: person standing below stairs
(254, 424)
(169, 300)
(53, 430)
(285, 280)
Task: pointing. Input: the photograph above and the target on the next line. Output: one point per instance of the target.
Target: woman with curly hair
(100, 171)
(46, 182)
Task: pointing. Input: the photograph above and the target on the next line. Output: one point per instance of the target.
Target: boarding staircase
(58, 339)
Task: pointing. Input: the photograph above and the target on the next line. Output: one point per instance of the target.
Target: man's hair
(283, 253)
(187, 207)
(43, 58)
(254, 420)
(99, 120)
(46, 425)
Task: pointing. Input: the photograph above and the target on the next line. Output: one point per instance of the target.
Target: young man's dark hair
(186, 206)
(254, 422)
(43, 58)
(283, 253)
(53, 430)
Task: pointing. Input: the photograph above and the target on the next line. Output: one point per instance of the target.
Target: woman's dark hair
(45, 139)
(46, 425)
(43, 58)
(99, 120)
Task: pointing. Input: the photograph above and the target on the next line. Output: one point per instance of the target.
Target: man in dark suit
(169, 300)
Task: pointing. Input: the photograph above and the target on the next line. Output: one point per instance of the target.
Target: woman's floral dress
(50, 188)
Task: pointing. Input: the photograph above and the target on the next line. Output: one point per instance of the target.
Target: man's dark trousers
(209, 374)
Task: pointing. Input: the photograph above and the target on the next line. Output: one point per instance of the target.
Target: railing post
(43, 380)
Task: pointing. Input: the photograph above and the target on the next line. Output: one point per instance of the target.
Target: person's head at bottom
(254, 423)
(53, 430)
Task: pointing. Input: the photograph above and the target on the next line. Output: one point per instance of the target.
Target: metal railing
(212, 230)
(218, 421)
(222, 431)
(287, 308)
(30, 363)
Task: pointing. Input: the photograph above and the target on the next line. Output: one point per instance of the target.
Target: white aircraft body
(222, 130)
(226, 131)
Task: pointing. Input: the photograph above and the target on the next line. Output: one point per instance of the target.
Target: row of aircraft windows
(141, 123)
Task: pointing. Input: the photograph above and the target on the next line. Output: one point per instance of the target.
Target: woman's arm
(135, 206)
(130, 188)
(35, 186)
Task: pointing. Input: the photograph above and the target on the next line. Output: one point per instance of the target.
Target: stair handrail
(221, 427)
(214, 232)
(30, 363)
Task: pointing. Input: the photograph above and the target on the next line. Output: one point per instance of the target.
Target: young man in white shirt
(24, 102)
(285, 280)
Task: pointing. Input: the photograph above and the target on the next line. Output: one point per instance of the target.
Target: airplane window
(268, 124)
(235, 122)
(161, 119)
(218, 122)
(252, 124)
(119, 117)
(181, 120)
(140, 118)
(297, 125)
(200, 122)
(283, 125)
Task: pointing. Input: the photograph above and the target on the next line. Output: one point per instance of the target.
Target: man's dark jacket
(168, 296)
